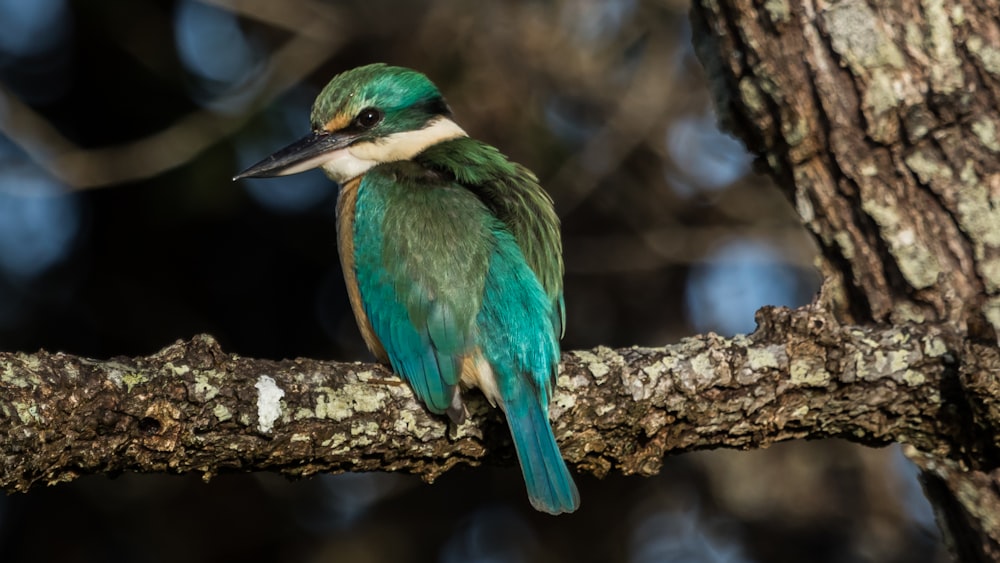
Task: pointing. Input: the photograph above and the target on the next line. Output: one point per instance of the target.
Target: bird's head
(364, 117)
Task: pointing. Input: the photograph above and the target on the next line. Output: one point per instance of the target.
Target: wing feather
(422, 248)
(514, 196)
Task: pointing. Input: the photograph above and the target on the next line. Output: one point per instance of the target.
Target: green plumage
(421, 277)
(406, 97)
(513, 195)
(451, 254)
(442, 277)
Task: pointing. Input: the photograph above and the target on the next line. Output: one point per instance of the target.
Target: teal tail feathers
(550, 486)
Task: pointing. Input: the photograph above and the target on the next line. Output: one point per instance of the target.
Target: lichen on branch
(193, 408)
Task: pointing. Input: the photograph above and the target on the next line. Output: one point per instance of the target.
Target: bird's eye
(368, 118)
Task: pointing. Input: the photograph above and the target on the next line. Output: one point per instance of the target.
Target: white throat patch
(350, 162)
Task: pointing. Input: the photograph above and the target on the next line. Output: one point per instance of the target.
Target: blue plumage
(550, 486)
(437, 294)
(520, 341)
(451, 254)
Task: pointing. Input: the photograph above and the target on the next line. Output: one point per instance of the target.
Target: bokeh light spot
(493, 534)
(38, 223)
(214, 48)
(917, 505)
(348, 497)
(32, 27)
(596, 20)
(724, 292)
(679, 536)
(288, 194)
(709, 158)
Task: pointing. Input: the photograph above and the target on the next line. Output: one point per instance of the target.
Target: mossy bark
(193, 408)
(880, 121)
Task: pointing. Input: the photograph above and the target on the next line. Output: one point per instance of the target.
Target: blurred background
(121, 124)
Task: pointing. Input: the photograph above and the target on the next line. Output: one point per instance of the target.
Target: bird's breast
(347, 206)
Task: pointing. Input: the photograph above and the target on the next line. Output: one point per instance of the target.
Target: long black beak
(305, 154)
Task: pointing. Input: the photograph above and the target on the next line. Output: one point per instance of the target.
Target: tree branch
(193, 408)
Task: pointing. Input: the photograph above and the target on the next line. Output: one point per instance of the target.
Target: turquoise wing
(519, 339)
(421, 249)
(443, 280)
(513, 195)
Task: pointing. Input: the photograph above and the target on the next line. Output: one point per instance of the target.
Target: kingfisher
(451, 255)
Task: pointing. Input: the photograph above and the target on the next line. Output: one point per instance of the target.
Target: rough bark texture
(191, 407)
(882, 125)
(880, 120)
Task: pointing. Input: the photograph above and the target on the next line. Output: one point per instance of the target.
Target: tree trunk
(880, 121)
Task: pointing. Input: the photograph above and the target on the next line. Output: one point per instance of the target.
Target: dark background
(121, 124)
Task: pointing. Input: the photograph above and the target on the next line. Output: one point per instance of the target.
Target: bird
(451, 253)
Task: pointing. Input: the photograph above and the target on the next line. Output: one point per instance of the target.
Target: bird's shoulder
(471, 162)
(513, 194)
